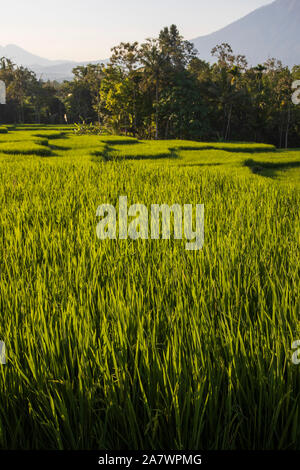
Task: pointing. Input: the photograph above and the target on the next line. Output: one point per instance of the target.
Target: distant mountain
(44, 68)
(61, 71)
(22, 57)
(270, 31)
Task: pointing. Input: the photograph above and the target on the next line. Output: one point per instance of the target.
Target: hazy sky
(87, 29)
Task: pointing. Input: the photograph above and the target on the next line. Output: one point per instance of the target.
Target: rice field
(123, 344)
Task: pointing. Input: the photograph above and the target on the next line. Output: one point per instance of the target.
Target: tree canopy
(162, 89)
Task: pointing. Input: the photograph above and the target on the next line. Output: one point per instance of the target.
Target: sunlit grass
(141, 344)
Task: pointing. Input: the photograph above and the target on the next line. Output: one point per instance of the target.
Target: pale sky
(87, 29)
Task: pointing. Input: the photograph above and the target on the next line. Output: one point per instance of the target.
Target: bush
(90, 129)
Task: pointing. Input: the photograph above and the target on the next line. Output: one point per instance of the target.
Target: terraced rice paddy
(123, 344)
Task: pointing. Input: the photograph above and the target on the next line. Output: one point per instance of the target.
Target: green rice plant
(122, 344)
(138, 151)
(118, 140)
(26, 148)
(21, 137)
(229, 146)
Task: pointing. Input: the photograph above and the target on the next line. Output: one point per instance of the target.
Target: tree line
(161, 89)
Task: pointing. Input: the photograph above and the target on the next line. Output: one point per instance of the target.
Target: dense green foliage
(29, 99)
(141, 344)
(162, 89)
